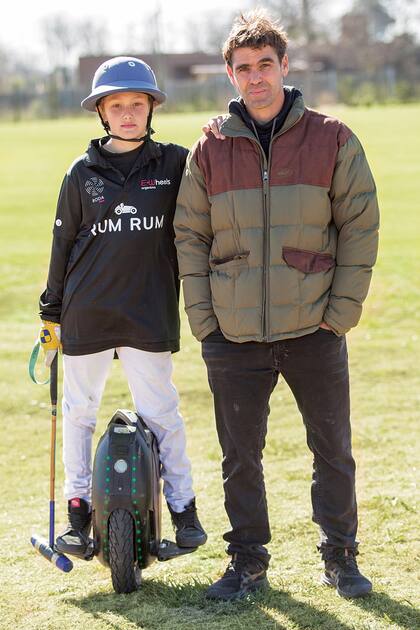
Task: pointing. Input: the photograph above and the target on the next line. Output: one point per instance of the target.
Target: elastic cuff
(180, 505)
(322, 547)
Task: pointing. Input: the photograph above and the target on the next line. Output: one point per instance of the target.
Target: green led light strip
(105, 513)
(136, 511)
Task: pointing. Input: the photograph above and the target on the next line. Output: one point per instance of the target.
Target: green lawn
(384, 355)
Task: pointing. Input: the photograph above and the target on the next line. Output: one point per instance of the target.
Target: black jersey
(113, 277)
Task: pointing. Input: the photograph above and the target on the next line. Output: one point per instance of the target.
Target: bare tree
(151, 39)
(388, 18)
(379, 15)
(93, 36)
(61, 39)
(300, 18)
(287, 12)
(4, 64)
(134, 38)
(209, 32)
(67, 38)
(406, 16)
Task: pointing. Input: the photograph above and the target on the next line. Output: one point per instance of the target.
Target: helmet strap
(149, 130)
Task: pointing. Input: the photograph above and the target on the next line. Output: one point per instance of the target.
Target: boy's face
(126, 113)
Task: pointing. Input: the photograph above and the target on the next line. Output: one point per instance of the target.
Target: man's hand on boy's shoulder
(213, 125)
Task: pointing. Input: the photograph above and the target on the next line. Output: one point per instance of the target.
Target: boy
(113, 288)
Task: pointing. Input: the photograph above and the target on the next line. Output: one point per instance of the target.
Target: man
(276, 232)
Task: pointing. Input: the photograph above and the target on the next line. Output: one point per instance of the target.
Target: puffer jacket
(268, 249)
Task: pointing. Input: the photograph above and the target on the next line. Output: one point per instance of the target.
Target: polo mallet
(45, 548)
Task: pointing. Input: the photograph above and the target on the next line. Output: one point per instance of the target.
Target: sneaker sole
(198, 542)
(78, 552)
(263, 585)
(326, 581)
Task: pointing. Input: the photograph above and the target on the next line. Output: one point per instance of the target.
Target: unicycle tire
(125, 573)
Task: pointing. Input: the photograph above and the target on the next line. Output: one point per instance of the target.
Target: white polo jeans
(155, 400)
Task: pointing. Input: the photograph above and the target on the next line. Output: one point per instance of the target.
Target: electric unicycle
(126, 502)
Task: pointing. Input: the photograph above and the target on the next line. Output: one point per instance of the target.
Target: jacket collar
(233, 126)
(93, 157)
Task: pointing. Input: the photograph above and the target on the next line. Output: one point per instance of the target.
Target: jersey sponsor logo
(123, 209)
(94, 187)
(134, 224)
(152, 184)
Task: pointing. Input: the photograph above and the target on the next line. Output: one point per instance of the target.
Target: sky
(21, 32)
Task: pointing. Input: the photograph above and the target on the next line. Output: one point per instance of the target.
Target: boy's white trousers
(155, 400)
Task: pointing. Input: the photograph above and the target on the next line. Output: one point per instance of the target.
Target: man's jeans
(242, 377)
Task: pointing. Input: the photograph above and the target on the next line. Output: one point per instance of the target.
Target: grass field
(384, 356)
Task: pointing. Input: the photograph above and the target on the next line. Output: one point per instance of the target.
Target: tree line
(379, 37)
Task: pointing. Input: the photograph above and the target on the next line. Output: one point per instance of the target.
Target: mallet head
(58, 559)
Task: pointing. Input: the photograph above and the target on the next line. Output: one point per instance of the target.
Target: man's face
(257, 74)
(126, 113)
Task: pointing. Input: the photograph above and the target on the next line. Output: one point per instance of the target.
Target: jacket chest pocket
(307, 261)
(229, 265)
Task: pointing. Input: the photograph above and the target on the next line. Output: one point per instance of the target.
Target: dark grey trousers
(242, 377)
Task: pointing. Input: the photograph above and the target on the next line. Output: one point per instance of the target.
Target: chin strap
(147, 135)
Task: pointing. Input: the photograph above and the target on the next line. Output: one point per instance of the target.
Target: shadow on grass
(390, 610)
(166, 605)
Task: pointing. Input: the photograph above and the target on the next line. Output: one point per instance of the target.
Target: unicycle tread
(125, 572)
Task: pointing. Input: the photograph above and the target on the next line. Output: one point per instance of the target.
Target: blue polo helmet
(122, 74)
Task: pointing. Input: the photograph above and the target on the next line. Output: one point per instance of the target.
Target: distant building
(168, 66)
(327, 72)
(198, 79)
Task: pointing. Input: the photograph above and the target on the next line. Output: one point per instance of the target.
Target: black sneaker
(342, 572)
(245, 574)
(75, 538)
(188, 529)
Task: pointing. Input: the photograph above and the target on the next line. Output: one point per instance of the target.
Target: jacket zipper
(266, 249)
(266, 239)
(264, 175)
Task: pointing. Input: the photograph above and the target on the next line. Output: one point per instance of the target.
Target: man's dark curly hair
(255, 29)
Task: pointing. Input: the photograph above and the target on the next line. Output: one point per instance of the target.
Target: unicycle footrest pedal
(168, 550)
(91, 550)
(88, 554)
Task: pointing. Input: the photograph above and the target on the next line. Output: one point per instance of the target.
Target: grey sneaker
(341, 571)
(244, 574)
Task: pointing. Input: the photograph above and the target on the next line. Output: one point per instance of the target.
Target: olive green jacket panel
(356, 215)
(194, 237)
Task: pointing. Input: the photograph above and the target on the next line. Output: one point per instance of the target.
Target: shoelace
(185, 518)
(240, 563)
(78, 522)
(345, 558)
